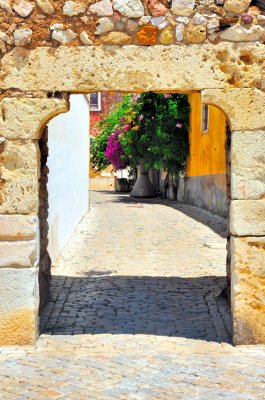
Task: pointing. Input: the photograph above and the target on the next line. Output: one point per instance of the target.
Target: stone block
(24, 118)
(198, 67)
(248, 165)
(236, 6)
(18, 227)
(247, 217)
(183, 7)
(247, 289)
(19, 171)
(19, 303)
(24, 254)
(243, 107)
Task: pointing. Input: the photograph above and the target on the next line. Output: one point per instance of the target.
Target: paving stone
(135, 313)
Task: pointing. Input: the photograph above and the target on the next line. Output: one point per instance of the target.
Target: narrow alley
(137, 311)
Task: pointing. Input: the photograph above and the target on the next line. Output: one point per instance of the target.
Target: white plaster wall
(68, 173)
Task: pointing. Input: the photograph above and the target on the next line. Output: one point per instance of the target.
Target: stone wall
(125, 22)
(206, 191)
(53, 47)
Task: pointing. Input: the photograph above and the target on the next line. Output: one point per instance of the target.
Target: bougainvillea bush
(150, 126)
(106, 127)
(114, 151)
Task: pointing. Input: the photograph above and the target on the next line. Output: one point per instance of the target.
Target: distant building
(101, 104)
(205, 181)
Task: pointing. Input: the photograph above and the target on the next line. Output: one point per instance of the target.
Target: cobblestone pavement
(137, 312)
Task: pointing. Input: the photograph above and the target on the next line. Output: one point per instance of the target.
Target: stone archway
(26, 110)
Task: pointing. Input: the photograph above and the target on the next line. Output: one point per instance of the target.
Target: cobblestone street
(137, 311)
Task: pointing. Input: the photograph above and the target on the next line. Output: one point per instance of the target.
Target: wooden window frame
(98, 106)
(205, 118)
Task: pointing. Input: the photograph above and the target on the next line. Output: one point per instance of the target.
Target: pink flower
(126, 128)
(179, 125)
(135, 98)
(141, 117)
(166, 95)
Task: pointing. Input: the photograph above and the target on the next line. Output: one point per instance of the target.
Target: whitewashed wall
(68, 173)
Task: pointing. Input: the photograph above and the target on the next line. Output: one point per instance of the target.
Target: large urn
(143, 186)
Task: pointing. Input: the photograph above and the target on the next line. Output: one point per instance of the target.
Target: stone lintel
(133, 68)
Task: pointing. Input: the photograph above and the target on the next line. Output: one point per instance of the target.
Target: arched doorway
(115, 69)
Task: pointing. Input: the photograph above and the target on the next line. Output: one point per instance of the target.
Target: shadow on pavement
(98, 302)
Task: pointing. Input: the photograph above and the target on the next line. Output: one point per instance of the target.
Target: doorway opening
(130, 258)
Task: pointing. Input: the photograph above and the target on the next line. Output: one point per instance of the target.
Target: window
(205, 118)
(95, 101)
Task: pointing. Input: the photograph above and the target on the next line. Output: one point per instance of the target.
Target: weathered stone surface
(199, 19)
(45, 6)
(6, 38)
(212, 67)
(156, 8)
(19, 171)
(131, 26)
(22, 37)
(183, 7)
(156, 21)
(19, 302)
(64, 36)
(23, 118)
(117, 38)
(181, 20)
(19, 254)
(248, 297)
(129, 8)
(147, 35)
(102, 8)
(166, 36)
(179, 32)
(239, 33)
(195, 34)
(18, 227)
(23, 8)
(104, 25)
(144, 20)
(248, 165)
(72, 8)
(5, 5)
(206, 191)
(243, 107)
(247, 217)
(85, 38)
(213, 25)
(237, 6)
